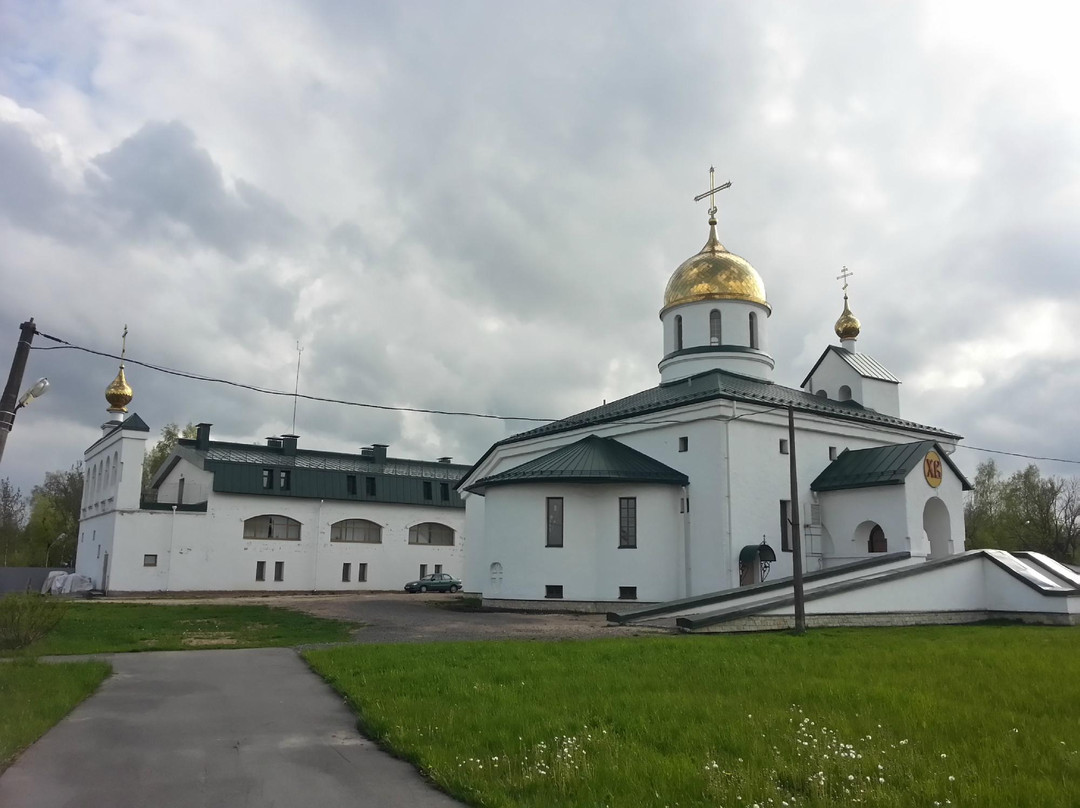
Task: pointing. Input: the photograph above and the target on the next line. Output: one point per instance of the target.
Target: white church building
(684, 488)
(261, 518)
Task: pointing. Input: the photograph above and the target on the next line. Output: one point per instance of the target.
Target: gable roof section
(882, 465)
(709, 386)
(589, 460)
(863, 364)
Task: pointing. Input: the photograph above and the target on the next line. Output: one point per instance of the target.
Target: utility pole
(796, 537)
(11, 391)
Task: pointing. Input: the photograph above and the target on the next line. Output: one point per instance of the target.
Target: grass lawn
(35, 695)
(91, 628)
(963, 716)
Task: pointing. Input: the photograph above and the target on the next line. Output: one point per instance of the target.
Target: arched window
(272, 526)
(714, 327)
(822, 393)
(108, 471)
(115, 468)
(845, 393)
(877, 542)
(753, 330)
(356, 530)
(678, 332)
(431, 533)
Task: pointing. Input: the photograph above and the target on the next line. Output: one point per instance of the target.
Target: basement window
(346, 572)
(260, 570)
(627, 593)
(149, 560)
(361, 573)
(784, 446)
(553, 591)
(279, 570)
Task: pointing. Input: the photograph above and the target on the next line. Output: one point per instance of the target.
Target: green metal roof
(238, 469)
(863, 364)
(718, 385)
(589, 460)
(882, 465)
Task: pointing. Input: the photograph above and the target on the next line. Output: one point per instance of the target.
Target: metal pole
(796, 537)
(11, 391)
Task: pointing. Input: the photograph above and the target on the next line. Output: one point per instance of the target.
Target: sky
(475, 206)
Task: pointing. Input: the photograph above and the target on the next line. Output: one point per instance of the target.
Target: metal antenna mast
(296, 389)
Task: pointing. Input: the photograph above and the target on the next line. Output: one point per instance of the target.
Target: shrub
(25, 618)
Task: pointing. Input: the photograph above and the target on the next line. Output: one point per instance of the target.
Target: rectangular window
(284, 480)
(268, 479)
(783, 446)
(260, 570)
(350, 483)
(149, 560)
(346, 572)
(554, 521)
(551, 591)
(832, 453)
(627, 593)
(369, 486)
(361, 573)
(684, 444)
(785, 525)
(438, 568)
(279, 570)
(444, 492)
(427, 489)
(627, 521)
(423, 570)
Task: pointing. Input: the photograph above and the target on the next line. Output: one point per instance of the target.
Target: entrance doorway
(937, 527)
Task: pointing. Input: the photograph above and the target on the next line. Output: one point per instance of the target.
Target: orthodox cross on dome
(711, 193)
(843, 276)
(123, 345)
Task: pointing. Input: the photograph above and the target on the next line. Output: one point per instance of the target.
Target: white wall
(207, 551)
(735, 330)
(590, 566)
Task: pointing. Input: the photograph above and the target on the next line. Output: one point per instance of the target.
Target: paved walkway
(212, 728)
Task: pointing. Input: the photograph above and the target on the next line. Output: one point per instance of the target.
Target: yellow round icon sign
(931, 467)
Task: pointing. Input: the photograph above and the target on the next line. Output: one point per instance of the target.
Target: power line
(65, 345)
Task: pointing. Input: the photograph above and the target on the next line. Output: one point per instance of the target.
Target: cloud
(477, 207)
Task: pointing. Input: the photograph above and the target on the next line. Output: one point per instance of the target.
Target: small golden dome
(848, 326)
(714, 274)
(119, 393)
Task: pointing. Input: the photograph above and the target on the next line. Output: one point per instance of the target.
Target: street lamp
(40, 388)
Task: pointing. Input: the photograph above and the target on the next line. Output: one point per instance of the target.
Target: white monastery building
(673, 504)
(684, 490)
(273, 517)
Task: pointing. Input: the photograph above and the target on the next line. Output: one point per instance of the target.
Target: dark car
(436, 582)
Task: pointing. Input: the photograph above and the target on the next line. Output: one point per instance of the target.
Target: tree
(52, 531)
(12, 519)
(1024, 512)
(160, 451)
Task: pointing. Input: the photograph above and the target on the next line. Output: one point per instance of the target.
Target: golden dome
(119, 393)
(848, 326)
(714, 274)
